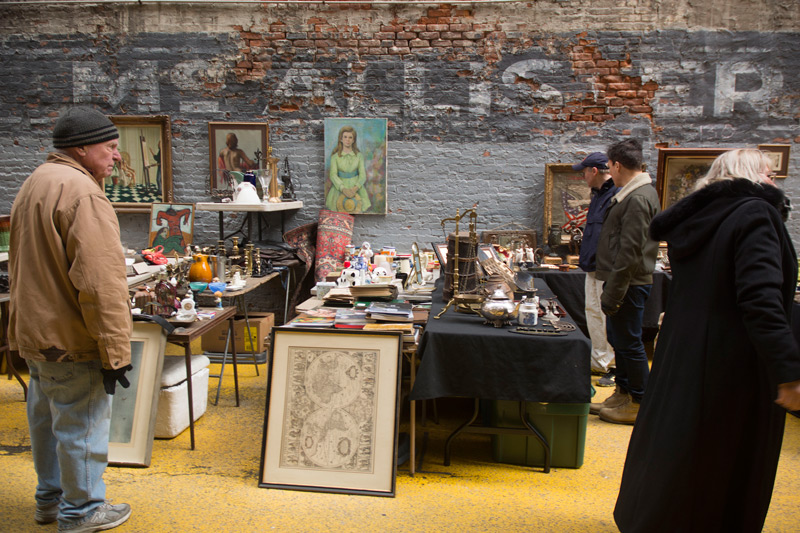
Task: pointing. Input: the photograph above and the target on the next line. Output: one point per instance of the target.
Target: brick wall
(479, 97)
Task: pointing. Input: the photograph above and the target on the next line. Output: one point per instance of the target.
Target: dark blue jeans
(624, 331)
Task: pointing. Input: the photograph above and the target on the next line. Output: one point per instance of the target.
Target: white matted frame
(133, 410)
(332, 413)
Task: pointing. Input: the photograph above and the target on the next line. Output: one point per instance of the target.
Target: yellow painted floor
(215, 488)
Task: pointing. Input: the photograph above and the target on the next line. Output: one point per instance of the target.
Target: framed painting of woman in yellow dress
(355, 165)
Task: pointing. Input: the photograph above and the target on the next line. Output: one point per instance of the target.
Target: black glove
(111, 376)
(609, 309)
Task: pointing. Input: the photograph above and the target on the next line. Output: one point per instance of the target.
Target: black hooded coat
(705, 447)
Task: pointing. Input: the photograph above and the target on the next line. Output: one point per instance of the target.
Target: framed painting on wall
(145, 174)
(566, 198)
(355, 165)
(331, 420)
(679, 169)
(133, 410)
(779, 154)
(171, 226)
(234, 148)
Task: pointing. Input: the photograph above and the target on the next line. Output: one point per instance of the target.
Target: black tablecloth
(569, 288)
(460, 356)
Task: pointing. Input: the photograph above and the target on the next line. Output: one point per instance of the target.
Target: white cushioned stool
(173, 406)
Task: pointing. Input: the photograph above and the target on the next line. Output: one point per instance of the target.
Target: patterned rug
(136, 194)
(303, 239)
(334, 233)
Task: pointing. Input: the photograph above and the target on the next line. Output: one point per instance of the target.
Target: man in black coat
(626, 258)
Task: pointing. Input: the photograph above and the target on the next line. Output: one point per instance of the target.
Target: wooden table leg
(413, 415)
(235, 366)
(188, 355)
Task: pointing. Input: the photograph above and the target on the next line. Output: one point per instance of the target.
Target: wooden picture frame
(369, 177)
(416, 264)
(324, 379)
(172, 227)
(145, 175)
(133, 410)
(566, 198)
(441, 254)
(679, 169)
(779, 154)
(248, 150)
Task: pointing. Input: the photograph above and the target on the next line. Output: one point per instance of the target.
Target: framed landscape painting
(331, 420)
(679, 169)
(566, 198)
(145, 174)
(235, 148)
(355, 165)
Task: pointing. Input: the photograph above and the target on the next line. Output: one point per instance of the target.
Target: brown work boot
(612, 401)
(624, 413)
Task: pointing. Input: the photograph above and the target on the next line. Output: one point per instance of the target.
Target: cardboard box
(562, 424)
(258, 335)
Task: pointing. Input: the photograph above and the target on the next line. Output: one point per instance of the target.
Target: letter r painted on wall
(743, 83)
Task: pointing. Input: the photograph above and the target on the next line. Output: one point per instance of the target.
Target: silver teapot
(498, 309)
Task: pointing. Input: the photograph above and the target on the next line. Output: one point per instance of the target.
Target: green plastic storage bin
(562, 424)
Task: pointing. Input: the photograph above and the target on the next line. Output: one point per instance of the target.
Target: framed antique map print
(355, 165)
(679, 169)
(566, 198)
(145, 174)
(331, 419)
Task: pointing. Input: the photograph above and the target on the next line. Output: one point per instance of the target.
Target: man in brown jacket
(70, 319)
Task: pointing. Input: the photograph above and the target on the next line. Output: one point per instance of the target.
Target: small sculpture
(286, 178)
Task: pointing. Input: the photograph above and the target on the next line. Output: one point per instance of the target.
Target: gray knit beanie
(82, 126)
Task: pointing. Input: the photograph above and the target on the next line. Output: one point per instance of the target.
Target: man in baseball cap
(70, 319)
(597, 177)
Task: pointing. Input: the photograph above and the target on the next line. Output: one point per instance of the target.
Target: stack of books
(375, 291)
(390, 312)
(314, 318)
(338, 296)
(350, 319)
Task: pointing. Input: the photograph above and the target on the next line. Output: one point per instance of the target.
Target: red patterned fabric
(303, 239)
(335, 231)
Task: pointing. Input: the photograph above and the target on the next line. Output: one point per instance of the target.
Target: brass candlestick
(273, 190)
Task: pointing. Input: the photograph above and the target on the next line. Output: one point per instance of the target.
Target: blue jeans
(69, 415)
(625, 335)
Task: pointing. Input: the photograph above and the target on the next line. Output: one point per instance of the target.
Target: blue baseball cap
(595, 159)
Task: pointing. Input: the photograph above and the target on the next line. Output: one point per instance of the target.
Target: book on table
(311, 321)
(350, 318)
(391, 311)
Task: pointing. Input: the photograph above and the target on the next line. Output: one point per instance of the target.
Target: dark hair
(627, 153)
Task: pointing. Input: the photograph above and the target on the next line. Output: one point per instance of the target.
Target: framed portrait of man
(235, 148)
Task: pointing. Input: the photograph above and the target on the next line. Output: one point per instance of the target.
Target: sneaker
(614, 400)
(622, 414)
(106, 516)
(46, 514)
(608, 380)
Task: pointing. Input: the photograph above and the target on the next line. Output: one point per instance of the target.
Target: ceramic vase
(200, 269)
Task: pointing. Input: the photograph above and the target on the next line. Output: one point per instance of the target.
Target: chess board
(138, 194)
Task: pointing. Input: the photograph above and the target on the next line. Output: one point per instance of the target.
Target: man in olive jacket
(626, 257)
(70, 319)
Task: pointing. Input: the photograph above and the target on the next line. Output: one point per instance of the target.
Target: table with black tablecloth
(462, 357)
(570, 289)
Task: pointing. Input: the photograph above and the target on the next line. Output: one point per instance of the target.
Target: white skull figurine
(245, 193)
(350, 277)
